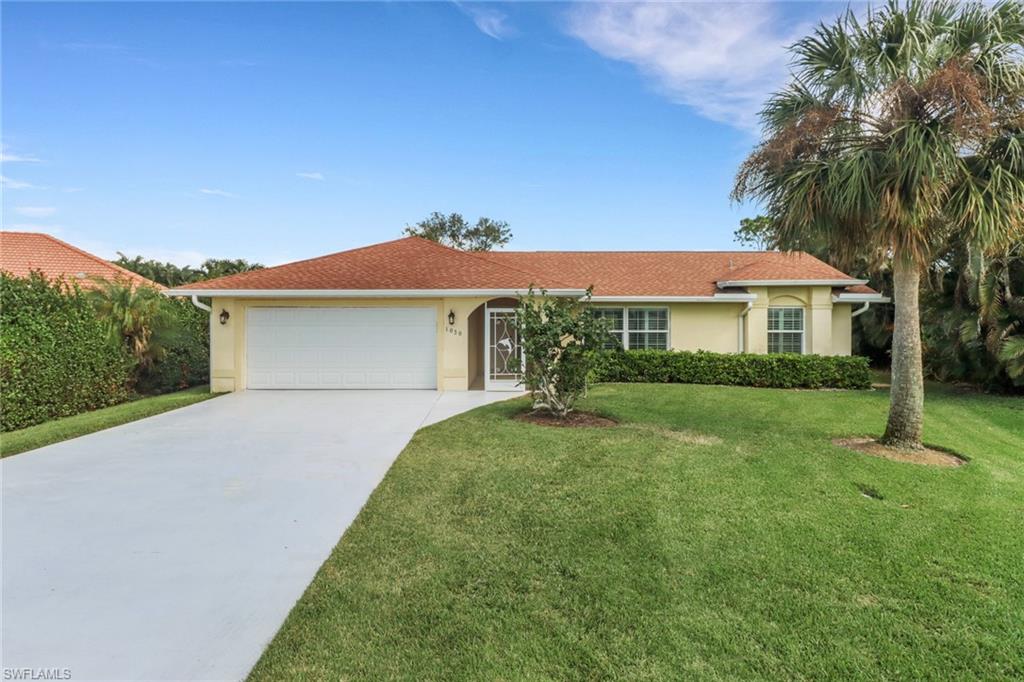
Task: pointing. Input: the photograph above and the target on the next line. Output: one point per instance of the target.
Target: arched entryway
(494, 361)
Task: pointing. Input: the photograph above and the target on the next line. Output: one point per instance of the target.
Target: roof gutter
(716, 298)
(366, 293)
(860, 298)
(790, 283)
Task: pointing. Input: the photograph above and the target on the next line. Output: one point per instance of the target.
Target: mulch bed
(574, 419)
(927, 456)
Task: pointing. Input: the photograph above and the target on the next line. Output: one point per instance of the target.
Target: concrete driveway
(174, 547)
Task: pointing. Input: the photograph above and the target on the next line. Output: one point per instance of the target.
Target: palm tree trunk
(906, 397)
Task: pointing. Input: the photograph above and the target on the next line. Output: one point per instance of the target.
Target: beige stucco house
(414, 314)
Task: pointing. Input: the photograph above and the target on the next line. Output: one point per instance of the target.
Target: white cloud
(35, 211)
(217, 193)
(7, 157)
(11, 183)
(490, 21)
(311, 176)
(723, 60)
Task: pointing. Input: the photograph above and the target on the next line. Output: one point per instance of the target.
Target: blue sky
(282, 131)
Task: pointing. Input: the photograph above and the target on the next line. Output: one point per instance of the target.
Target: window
(786, 330)
(613, 317)
(647, 327)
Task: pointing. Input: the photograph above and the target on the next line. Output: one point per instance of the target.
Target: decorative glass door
(503, 357)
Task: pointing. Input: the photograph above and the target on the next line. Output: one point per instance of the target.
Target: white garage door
(341, 348)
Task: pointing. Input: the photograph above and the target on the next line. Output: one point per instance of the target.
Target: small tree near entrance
(556, 334)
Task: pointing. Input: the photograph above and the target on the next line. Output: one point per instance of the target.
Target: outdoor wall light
(224, 316)
(451, 317)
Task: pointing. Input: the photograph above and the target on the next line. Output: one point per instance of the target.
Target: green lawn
(715, 534)
(13, 442)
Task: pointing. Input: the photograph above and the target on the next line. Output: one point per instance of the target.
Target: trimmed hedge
(732, 369)
(56, 358)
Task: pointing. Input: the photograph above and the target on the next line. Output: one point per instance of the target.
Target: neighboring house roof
(25, 252)
(413, 264)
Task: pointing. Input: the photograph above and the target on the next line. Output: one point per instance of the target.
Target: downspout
(739, 327)
(860, 310)
(198, 304)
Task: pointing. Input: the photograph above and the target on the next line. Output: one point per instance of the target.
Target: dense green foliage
(973, 318)
(555, 333)
(56, 357)
(732, 369)
(453, 230)
(187, 359)
(715, 534)
(57, 430)
(171, 275)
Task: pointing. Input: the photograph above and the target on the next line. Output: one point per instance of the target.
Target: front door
(503, 359)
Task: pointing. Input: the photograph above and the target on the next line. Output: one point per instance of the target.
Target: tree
(896, 136)
(557, 335)
(756, 232)
(453, 230)
(138, 317)
(171, 275)
(222, 267)
(168, 274)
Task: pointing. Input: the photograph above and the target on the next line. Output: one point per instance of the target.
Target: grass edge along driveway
(66, 428)
(715, 534)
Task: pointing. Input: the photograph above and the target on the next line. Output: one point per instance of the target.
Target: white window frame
(620, 332)
(802, 331)
(625, 323)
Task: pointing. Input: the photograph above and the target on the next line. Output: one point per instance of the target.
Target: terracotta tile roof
(24, 252)
(669, 273)
(413, 263)
(407, 263)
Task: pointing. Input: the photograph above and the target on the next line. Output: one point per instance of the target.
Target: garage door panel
(341, 348)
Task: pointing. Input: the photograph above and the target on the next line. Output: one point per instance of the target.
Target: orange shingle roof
(408, 263)
(25, 252)
(413, 263)
(669, 273)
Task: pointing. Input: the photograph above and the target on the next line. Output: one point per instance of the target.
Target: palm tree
(897, 134)
(138, 317)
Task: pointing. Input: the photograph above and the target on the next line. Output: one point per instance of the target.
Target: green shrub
(731, 369)
(56, 357)
(554, 333)
(187, 362)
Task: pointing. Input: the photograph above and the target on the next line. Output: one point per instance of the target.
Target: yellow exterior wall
(842, 329)
(692, 326)
(826, 325)
(705, 326)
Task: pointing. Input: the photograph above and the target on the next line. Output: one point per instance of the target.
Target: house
(25, 252)
(411, 313)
